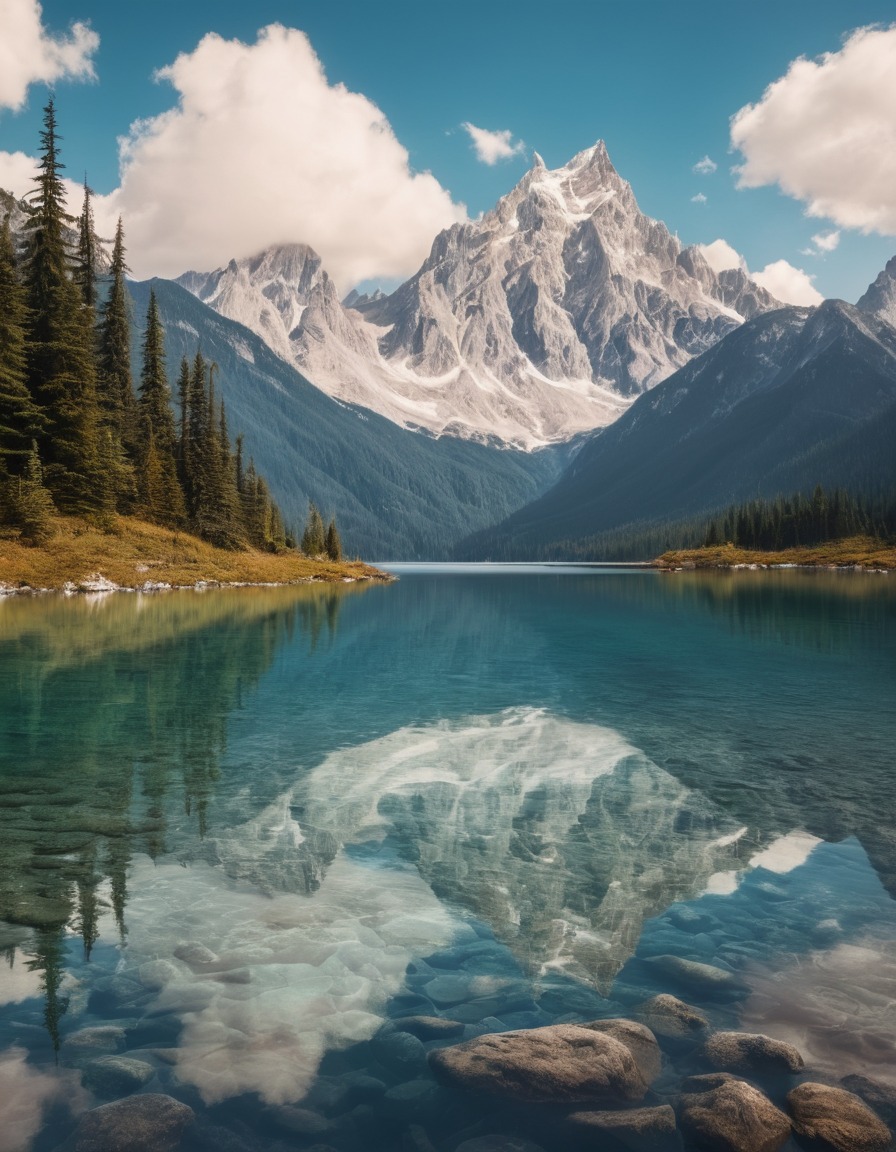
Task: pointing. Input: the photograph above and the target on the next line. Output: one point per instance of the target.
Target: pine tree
(314, 537)
(61, 365)
(32, 505)
(85, 270)
(183, 437)
(115, 387)
(20, 418)
(161, 497)
(334, 544)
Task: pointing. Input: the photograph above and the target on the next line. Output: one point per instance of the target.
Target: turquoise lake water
(240, 831)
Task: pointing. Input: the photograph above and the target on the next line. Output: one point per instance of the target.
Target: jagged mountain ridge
(543, 319)
(794, 397)
(880, 297)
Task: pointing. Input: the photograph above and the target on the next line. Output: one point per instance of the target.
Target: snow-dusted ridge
(541, 320)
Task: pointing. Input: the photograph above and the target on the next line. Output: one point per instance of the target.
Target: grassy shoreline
(857, 552)
(132, 554)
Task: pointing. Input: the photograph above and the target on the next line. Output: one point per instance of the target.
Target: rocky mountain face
(543, 319)
(880, 298)
(793, 398)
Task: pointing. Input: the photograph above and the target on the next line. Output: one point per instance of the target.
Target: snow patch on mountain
(543, 319)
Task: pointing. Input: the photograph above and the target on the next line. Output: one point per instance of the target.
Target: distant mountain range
(543, 319)
(794, 397)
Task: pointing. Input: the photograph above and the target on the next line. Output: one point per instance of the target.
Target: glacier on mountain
(542, 319)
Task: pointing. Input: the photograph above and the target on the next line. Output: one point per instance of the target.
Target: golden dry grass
(130, 552)
(861, 551)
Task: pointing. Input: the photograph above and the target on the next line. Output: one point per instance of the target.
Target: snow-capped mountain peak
(540, 320)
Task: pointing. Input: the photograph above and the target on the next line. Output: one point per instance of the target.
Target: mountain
(880, 298)
(396, 494)
(794, 397)
(543, 319)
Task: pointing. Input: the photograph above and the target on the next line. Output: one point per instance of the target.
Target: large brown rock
(562, 1063)
(148, 1123)
(729, 1115)
(639, 1040)
(751, 1052)
(836, 1120)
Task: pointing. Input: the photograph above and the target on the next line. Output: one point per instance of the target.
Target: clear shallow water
(243, 829)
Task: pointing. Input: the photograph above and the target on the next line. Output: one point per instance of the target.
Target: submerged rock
(705, 978)
(729, 1115)
(429, 1027)
(195, 954)
(148, 1123)
(751, 1052)
(836, 1120)
(116, 1075)
(636, 1128)
(639, 1040)
(561, 1063)
(103, 1038)
(881, 1098)
(671, 1018)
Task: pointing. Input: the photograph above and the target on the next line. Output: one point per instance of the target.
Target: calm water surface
(241, 830)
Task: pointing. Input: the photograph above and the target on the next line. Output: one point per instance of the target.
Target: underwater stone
(561, 1063)
(639, 1040)
(749, 1052)
(116, 1075)
(836, 1120)
(148, 1123)
(729, 1115)
(671, 1018)
(636, 1128)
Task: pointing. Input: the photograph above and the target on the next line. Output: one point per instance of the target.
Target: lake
(242, 831)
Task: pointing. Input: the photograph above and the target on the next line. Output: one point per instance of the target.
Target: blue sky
(658, 82)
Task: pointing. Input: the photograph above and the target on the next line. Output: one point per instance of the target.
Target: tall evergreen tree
(333, 542)
(20, 418)
(115, 386)
(161, 497)
(61, 365)
(314, 538)
(85, 270)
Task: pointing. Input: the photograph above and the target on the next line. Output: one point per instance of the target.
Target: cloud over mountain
(825, 132)
(262, 148)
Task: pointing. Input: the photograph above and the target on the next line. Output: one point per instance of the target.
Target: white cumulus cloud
(825, 132)
(719, 255)
(699, 198)
(29, 53)
(705, 167)
(261, 149)
(491, 147)
(788, 284)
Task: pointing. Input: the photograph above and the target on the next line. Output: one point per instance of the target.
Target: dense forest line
(797, 520)
(76, 436)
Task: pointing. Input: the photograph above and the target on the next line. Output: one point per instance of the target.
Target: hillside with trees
(78, 435)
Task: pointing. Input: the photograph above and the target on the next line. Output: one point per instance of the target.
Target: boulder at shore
(562, 1063)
